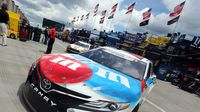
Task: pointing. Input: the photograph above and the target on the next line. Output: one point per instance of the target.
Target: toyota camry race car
(100, 80)
(78, 47)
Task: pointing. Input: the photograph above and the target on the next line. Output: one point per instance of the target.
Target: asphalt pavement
(17, 57)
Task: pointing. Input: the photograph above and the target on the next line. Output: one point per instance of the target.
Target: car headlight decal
(102, 105)
(123, 106)
(118, 106)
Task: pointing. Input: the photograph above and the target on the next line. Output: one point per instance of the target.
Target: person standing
(52, 36)
(4, 18)
(46, 35)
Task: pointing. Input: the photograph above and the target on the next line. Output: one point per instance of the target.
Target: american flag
(130, 8)
(87, 16)
(74, 19)
(103, 15)
(77, 18)
(177, 10)
(96, 10)
(147, 14)
(82, 17)
(113, 10)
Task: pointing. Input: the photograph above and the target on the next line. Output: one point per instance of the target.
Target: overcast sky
(64, 10)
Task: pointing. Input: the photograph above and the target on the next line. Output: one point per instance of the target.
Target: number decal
(113, 77)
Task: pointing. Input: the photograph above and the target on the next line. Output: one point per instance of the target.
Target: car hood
(103, 80)
(80, 48)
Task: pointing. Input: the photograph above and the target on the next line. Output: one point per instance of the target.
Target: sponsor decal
(64, 69)
(67, 63)
(196, 42)
(113, 77)
(42, 95)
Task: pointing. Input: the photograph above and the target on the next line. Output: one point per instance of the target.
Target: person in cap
(4, 19)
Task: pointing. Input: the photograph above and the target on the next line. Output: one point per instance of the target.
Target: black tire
(12, 36)
(136, 108)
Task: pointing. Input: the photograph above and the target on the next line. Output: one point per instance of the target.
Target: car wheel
(12, 36)
(136, 108)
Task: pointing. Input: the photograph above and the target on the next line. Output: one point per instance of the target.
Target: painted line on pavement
(156, 106)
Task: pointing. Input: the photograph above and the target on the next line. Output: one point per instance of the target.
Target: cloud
(64, 11)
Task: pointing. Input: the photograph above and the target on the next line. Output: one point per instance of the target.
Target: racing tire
(12, 36)
(136, 108)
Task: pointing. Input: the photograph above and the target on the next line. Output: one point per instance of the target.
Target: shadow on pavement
(42, 51)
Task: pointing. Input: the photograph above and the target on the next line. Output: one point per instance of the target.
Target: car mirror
(154, 79)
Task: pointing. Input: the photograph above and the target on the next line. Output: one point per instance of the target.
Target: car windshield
(127, 65)
(82, 44)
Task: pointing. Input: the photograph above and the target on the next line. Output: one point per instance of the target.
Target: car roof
(127, 54)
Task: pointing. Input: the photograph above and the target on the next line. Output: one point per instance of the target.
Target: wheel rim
(12, 36)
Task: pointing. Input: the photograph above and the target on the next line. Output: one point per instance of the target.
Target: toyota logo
(46, 84)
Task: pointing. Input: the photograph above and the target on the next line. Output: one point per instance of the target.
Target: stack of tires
(23, 34)
(37, 34)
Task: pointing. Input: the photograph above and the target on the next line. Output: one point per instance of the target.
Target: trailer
(13, 26)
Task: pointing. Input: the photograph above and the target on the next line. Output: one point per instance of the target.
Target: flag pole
(177, 23)
(128, 22)
(146, 28)
(126, 28)
(86, 24)
(111, 24)
(94, 22)
(101, 27)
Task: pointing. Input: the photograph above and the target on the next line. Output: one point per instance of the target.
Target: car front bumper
(36, 100)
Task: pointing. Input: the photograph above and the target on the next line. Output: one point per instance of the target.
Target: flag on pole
(82, 17)
(146, 18)
(147, 14)
(130, 8)
(177, 10)
(74, 19)
(87, 16)
(173, 20)
(103, 15)
(113, 10)
(96, 9)
(111, 16)
(144, 23)
(77, 18)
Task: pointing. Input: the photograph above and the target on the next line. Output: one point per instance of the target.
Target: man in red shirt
(52, 36)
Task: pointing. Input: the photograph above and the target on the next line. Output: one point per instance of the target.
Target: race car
(100, 80)
(78, 47)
